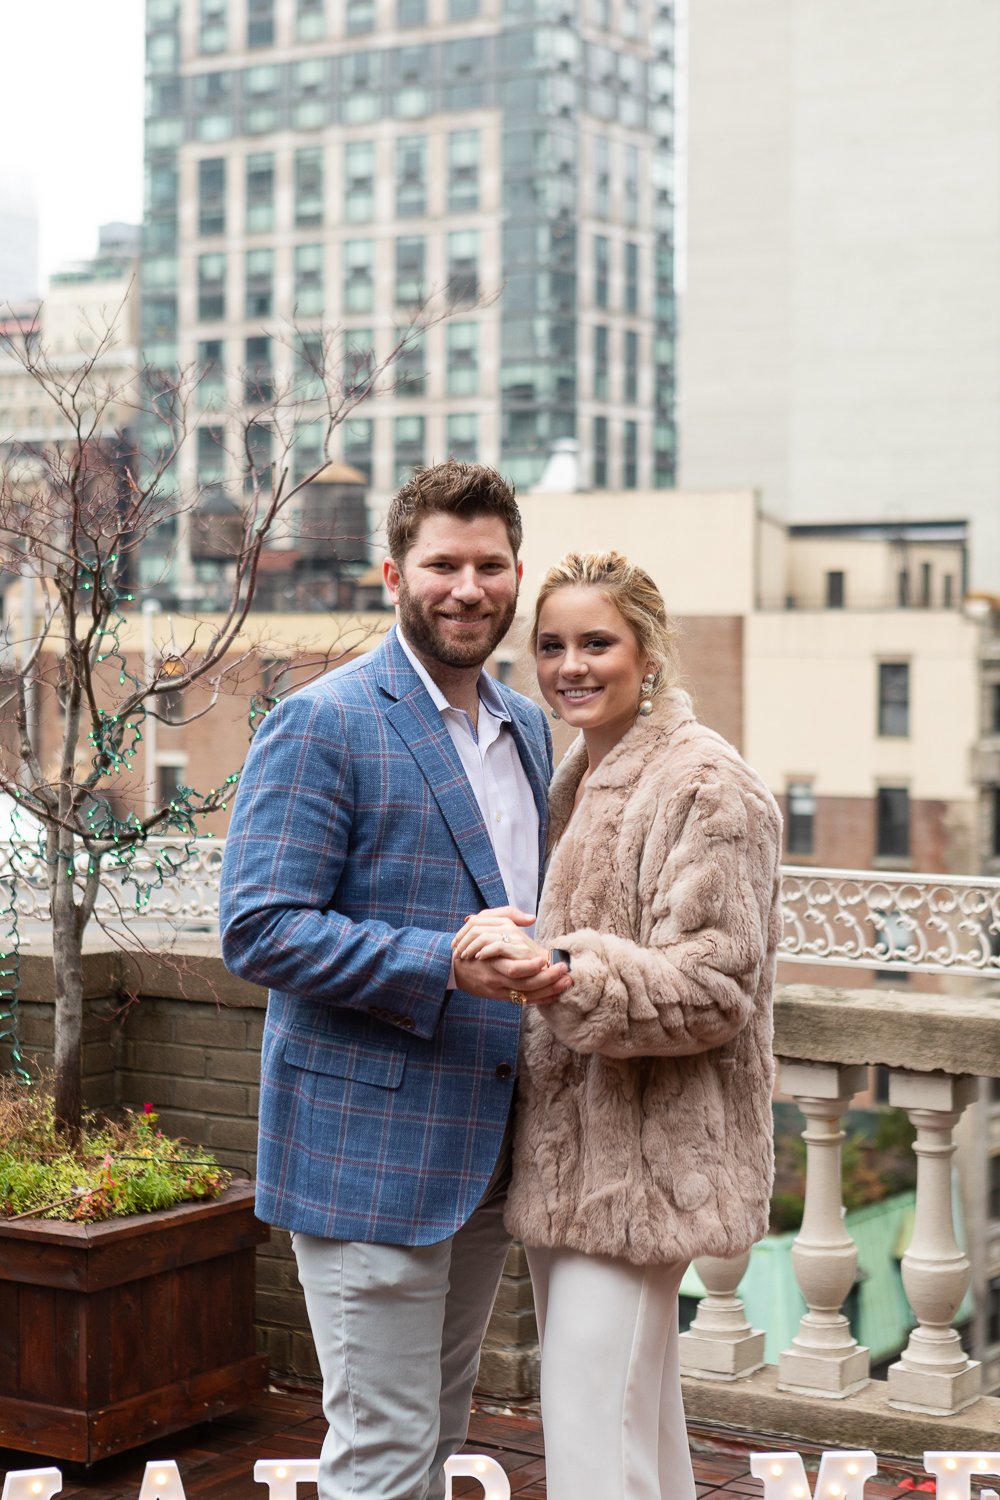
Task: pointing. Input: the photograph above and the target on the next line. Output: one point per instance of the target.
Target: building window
(463, 170)
(410, 13)
(309, 187)
(602, 261)
(800, 820)
(359, 359)
(631, 277)
(260, 110)
(258, 380)
(602, 177)
(993, 1312)
(995, 822)
(664, 451)
(894, 699)
(211, 455)
(903, 588)
(410, 370)
(169, 782)
(310, 92)
(995, 707)
(360, 16)
(993, 1190)
(259, 267)
(463, 265)
(631, 366)
(212, 195)
(411, 176)
(310, 365)
(462, 10)
(601, 361)
(892, 816)
(835, 590)
(359, 181)
(463, 436)
(258, 458)
(465, 64)
(308, 273)
(410, 254)
(310, 20)
(260, 23)
(260, 192)
(408, 446)
(211, 374)
(359, 444)
(360, 76)
(948, 590)
(409, 68)
(630, 456)
(630, 185)
(925, 585)
(359, 275)
(212, 34)
(600, 453)
(211, 286)
(462, 347)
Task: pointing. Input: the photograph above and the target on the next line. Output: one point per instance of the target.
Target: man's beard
(423, 633)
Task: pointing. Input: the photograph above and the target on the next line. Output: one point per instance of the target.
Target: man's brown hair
(450, 488)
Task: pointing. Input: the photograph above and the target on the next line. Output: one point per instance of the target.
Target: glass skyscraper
(337, 162)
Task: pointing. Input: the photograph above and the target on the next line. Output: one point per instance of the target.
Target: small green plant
(120, 1167)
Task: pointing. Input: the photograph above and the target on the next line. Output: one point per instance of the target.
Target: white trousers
(611, 1392)
(397, 1330)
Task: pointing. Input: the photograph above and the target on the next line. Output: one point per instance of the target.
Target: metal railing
(890, 920)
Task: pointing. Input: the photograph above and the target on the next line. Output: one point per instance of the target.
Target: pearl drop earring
(553, 713)
(646, 700)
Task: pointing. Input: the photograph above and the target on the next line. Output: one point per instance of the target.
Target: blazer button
(504, 1070)
(407, 1022)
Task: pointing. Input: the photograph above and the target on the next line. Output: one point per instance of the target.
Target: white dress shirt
(498, 780)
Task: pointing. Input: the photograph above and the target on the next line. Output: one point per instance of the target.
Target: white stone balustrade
(934, 1374)
(720, 1344)
(825, 1359)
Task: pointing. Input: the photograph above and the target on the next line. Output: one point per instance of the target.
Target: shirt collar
(489, 694)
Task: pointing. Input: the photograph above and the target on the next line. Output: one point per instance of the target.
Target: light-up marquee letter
(954, 1471)
(486, 1471)
(841, 1475)
(32, 1484)
(283, 1475)
(161, 1481)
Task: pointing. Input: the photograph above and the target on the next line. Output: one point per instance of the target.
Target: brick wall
(942, 836)
(184, 1035)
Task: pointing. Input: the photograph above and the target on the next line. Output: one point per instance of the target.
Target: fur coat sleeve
(685, 978)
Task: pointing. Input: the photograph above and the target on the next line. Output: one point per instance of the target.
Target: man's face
(456, 590)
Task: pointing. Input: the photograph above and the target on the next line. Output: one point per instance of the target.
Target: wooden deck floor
(216, 1460)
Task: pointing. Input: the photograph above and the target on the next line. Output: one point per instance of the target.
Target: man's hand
(495, 958)
(496, 979)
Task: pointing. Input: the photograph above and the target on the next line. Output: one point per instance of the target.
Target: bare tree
(77, 511)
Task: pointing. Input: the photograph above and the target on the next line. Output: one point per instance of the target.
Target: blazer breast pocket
(361, 1062)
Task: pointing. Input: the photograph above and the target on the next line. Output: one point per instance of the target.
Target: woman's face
(589, 665)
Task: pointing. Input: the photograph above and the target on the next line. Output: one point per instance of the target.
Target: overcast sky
(71, 91)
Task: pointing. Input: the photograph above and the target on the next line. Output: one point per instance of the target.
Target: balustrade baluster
(933, 1374)
(720, 1344)
(825, 1359)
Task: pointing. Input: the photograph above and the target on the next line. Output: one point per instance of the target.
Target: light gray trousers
(398, 1330)
(611, 1391)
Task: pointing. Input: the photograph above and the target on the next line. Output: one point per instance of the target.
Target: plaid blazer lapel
(421, 729)
(535, 767)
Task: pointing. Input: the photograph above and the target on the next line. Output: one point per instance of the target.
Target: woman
(643, 1132)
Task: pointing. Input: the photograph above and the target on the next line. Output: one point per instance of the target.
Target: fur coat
(643, 1127)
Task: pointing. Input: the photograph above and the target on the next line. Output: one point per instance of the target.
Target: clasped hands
(495, 958)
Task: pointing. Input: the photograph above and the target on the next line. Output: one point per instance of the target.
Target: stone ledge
(755, 1407)
(923, 1032)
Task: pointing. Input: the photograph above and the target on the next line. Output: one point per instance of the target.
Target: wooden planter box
(116, 1333)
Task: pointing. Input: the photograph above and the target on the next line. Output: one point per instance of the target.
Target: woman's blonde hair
(632, 592)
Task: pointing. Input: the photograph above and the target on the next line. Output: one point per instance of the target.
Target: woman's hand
(497, 933)
(494, 957)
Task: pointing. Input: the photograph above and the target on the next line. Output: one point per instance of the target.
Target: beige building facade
(840, 326)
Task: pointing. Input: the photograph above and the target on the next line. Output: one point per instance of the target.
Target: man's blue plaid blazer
(356, 851)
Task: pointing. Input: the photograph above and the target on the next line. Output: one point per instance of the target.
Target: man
(378, 808)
